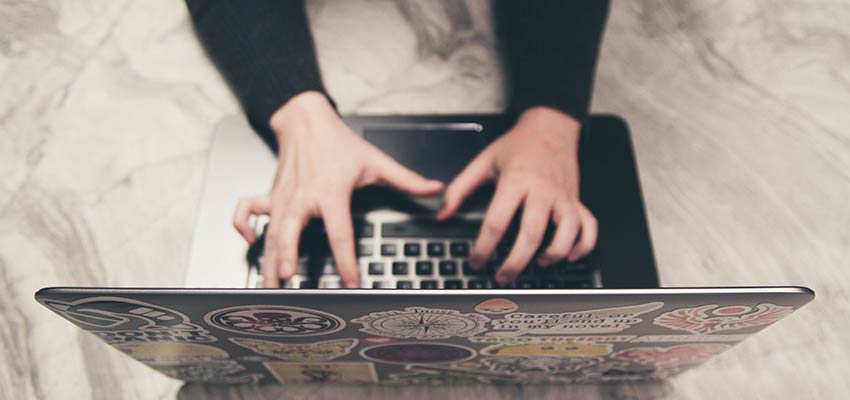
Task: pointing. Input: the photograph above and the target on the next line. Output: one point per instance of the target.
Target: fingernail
(286, 268)
(350, 284)
(502, 279)
(542, 261)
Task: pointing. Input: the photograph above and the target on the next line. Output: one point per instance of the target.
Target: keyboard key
(307, 284)
(366, 230)
(400, 268)
(380, 285)
(424, 268)
(448, 268)
(467, 270)
(525, 284)
(428, 285)
(388, 250)
(404, 285)
(459, 249)
(329, 283)
(364, 250)
(426, 227)
(376, 268)
(436, 249)
(453, 284)
(477, 284)
(411, 249)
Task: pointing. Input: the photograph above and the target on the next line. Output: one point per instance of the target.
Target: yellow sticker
(327, 372)
(569, 349)
(496, 306)
(318, 351)
(172, 352)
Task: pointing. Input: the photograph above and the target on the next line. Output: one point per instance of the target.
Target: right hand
(320, 162)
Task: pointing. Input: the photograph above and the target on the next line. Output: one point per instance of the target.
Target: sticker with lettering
(422, 323)
(606, 320)
(713, 318)
(552, 339)
(318, 351)
(323, 372)
(118, 320)
(274, 320)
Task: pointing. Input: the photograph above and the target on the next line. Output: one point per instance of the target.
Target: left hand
(536, 164)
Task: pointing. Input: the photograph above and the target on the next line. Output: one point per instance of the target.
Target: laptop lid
(402, 337)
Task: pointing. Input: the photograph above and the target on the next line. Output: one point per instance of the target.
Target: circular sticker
(417, 353)
(270, 320)
(496, 306)
(422, 323)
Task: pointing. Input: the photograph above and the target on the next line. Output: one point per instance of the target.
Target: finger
(287, 244)
(389, 172)
(478, 171)
(337, 217)
(568, 223)
(245, 208)
(499, 214)
(589, 234)
(535, 217)
(269, 265)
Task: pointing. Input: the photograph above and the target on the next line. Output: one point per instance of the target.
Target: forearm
(265, 51)
(551, 48)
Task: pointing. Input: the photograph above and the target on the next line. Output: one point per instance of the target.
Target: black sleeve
(263, 48)
(550, 48)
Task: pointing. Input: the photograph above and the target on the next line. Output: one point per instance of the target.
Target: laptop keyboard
(418, 254)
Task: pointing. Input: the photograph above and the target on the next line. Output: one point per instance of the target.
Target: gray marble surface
(739, 112)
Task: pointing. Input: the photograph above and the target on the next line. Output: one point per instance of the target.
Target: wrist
(549, 121)
(299, 112)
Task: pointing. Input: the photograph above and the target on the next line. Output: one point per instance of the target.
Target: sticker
(672, 357)
(606, 320)
(422, 323)
(552, 339)
(418, 353)
(567, 349)
(539, 369)
(713, 318)
(689, 338)
(377, 340)
(118, 320)
(326, 372)
(620, 371)
(496, 306)
(439, 375)
(223, 372)
(319, 351)
(172, 352)
(271, 320)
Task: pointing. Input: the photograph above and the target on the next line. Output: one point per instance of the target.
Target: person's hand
(320, 162)
(535, 164)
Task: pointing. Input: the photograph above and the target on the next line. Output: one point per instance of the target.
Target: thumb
(390, 173)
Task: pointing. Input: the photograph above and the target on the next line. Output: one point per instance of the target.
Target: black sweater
(265, 51)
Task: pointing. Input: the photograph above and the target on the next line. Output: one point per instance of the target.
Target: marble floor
(739, 110)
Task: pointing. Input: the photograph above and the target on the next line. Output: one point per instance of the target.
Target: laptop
(422, 316)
